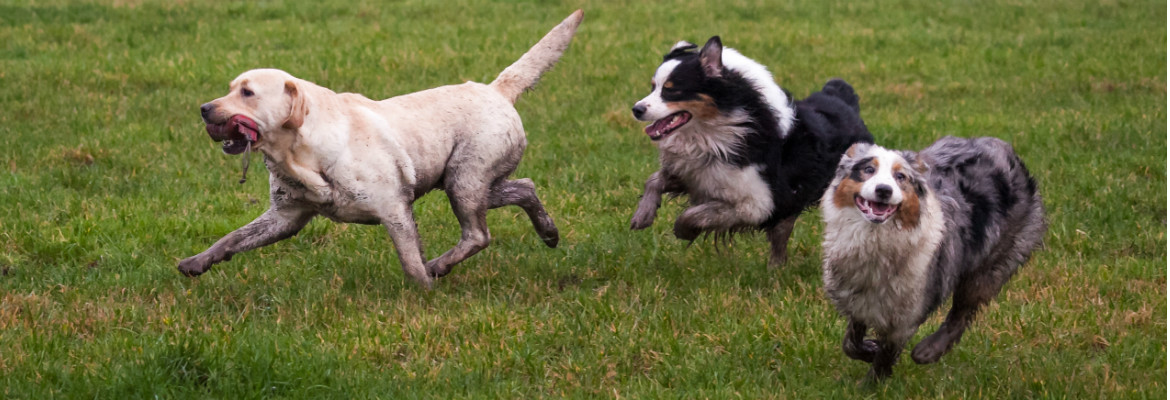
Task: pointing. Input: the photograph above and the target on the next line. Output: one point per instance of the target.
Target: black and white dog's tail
(840, 90)
(827, 123)
(525, 72)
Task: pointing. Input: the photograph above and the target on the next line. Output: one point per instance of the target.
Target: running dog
(745, 154)
(356, 160)
(905, 231)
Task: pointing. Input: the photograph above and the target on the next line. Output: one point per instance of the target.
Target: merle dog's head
(880, 184)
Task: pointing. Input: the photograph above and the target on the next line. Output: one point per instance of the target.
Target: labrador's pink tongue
(246, 126)
(248, 133)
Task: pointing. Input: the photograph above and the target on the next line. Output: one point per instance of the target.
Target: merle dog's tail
(524, 73)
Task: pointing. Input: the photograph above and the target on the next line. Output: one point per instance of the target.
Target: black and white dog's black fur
(905, 231)
(746, 155)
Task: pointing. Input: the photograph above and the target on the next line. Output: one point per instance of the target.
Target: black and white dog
(905, 231)
(746, 155)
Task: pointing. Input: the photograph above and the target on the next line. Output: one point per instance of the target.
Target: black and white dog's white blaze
(904, 231)
(747, 156)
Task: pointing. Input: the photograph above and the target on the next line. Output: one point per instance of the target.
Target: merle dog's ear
(921, 170)
(680, 49)
(915, 161)
(711, 57)
(851, 154)
(855, 149)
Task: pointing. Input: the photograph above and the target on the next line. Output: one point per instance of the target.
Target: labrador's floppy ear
(297, 110)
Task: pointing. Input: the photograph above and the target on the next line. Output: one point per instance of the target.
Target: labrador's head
(261, 102)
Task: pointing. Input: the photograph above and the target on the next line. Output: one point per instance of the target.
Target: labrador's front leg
(399, 222)
(272, 226)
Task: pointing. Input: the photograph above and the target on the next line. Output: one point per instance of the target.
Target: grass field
(107, 179)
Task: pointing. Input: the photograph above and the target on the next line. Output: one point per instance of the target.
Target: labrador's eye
(246, 93)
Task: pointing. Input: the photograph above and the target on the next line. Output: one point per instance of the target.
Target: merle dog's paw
(930, 350)
(878, 374)
(864, 351)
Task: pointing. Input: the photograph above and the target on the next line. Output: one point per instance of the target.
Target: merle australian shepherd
(904, 231)
(745, 154)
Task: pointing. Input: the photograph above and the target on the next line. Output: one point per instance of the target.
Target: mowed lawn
(107, 180)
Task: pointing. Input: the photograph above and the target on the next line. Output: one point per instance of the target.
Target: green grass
(107, 180)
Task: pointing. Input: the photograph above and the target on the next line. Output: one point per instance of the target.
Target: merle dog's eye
(246, 93)
(869, 170)
(900, 176)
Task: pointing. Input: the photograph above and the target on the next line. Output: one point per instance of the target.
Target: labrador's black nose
(206, 109)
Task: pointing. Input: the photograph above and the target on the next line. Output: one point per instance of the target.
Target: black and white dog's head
(715, 86)
(879, 184)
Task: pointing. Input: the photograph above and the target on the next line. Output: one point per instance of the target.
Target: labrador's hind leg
(522, 193)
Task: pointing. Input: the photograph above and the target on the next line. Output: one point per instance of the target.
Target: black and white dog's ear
(711, 57)
(683, 45)
(681, 48)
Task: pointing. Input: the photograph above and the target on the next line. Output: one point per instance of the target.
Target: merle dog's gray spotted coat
(976, 219)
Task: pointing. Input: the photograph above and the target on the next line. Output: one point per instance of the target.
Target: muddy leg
(522, 192)
(404, 232)
(471, 210)
(272, 226)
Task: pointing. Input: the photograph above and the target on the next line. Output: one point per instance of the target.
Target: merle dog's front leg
(889, 347)
(656, 185)
(270, 227)
(855, 345)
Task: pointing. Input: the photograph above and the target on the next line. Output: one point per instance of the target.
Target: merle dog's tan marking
(353, 159)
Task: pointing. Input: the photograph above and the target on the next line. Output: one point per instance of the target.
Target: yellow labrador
(353, 159)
